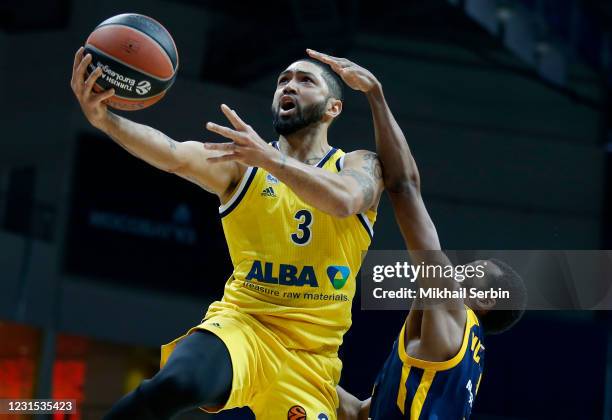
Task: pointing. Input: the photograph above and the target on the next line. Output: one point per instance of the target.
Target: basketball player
(297, 214)
(435, 367)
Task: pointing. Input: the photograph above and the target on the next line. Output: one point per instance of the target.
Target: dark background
(148, 227)
(506, 105)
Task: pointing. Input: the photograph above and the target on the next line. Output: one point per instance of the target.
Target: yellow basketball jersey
(294, 265)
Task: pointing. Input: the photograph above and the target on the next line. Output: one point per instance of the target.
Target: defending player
(297, 215)
(435, 367)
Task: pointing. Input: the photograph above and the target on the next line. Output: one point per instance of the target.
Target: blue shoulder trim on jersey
(239, 194)
(326, 158)
(363, 219)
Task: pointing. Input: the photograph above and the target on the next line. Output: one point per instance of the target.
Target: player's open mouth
(287, 105)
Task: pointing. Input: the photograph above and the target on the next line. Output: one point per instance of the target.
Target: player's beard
(301, 118)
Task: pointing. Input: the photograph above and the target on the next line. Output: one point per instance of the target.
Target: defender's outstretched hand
(355, 76)
(246, 147)
(92, 103)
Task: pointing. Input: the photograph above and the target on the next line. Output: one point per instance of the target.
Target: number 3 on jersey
(304, 234)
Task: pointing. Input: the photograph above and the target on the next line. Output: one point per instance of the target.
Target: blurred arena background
(506, 105)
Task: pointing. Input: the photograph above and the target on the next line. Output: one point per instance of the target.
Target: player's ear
(334, 108)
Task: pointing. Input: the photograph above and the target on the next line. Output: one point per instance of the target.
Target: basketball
(296, 413)
(138, 57)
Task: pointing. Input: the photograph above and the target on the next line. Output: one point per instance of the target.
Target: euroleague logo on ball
(296, 412)
(143, 87)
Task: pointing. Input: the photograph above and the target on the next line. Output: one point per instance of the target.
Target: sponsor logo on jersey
(338, 274)
(282, 274)
(271, 179)
(268, 192)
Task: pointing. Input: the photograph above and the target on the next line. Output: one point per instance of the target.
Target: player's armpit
(363, 175)
(218, 178)
(442, 332)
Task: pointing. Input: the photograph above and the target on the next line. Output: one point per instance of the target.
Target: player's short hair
(334, 83)
(506, 313)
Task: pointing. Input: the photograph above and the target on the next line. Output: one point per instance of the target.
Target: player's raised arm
(400, 174)
(402, 179)
(353, 190)
(186, 159)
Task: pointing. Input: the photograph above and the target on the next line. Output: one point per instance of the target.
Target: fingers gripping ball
(138, 57)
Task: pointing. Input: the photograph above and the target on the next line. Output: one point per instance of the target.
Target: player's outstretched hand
(355, 76)
(92, 103)
(246, 146)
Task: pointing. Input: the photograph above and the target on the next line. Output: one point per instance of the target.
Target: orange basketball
(296, 412)
(138, 57)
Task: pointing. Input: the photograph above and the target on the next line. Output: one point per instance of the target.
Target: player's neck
(306, 145)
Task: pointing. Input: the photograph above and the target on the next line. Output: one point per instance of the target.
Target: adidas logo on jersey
(268, 192)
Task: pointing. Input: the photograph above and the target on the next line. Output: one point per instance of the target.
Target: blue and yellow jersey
(409, 388)
(294, 265)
